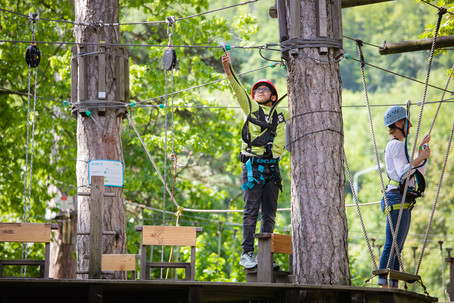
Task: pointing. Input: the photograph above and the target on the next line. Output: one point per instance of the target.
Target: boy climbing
(263, 137)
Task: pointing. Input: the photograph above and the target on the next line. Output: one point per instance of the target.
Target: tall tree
(98, 134)
(316, 131)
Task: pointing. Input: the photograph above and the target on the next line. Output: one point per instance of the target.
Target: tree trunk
(98, 135)
(317, 172)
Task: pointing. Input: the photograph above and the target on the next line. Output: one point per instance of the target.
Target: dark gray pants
(262, 198)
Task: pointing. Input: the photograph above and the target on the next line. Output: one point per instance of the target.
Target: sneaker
(276, 266)
(248, 260)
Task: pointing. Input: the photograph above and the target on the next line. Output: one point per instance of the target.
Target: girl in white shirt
(397, 162)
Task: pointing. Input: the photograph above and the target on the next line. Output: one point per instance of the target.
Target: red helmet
(267, 83)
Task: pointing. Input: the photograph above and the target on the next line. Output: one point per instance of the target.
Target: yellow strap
(394, 182)
(397, 206)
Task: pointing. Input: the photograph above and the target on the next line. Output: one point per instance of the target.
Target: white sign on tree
(112, 171)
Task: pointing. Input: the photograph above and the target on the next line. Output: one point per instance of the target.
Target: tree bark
(317, 172)
(100, 139)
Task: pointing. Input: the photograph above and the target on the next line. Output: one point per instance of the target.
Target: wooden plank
(81, 77)
(398, 275)
(118, 262)
(169, 235)
(101, 73)
(167, 264)
(281, 244)
(322, 23)
(353, 3)
(282, 20)
(74, 70)
(120, 72)
(25, 232)
(88, 194)
(295, 19)
(96, 223)
(126, 75)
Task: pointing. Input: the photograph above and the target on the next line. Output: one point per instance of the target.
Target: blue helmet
(394, 114)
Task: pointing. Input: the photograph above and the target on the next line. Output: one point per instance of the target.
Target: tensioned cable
(100, 24)
(442, 97)
(450, 100)
(441, 12)
(435, 6)
(436, 199)
(205, 84)
(397, 74)
(377, 159)
(213, 46)
(370, 44)
(129, 44)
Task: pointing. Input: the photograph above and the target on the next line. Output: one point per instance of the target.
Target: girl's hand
(226, 64)
(425, 140)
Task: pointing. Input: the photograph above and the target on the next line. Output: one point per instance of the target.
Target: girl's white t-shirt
(397, 163)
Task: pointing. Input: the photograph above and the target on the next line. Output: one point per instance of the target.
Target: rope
(150, 157)
(394, 245)
(436, 199)
(396, 74)
(371, 252)
(441, 12)
(209, 83)
(442, 98)
(102, 24)
(29, 174)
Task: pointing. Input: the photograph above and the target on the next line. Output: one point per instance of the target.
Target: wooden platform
(113, 291)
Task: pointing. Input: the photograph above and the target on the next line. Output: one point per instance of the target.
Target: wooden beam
(25, 232)
(273, 10)
(353, 3)
(416, 45)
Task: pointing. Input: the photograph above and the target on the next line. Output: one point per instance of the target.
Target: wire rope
(371, 252)
(442, 98)
(371, 126)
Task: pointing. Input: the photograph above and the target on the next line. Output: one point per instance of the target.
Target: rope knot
(359, 42)
(33, 17)
(442, 11)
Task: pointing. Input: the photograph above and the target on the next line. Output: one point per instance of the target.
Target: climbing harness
(267, 170)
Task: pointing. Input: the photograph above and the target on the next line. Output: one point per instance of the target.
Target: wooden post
(265, 258)
(96, 220)
(450, 260)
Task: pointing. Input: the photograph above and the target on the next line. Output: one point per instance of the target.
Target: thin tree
(99, 130)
